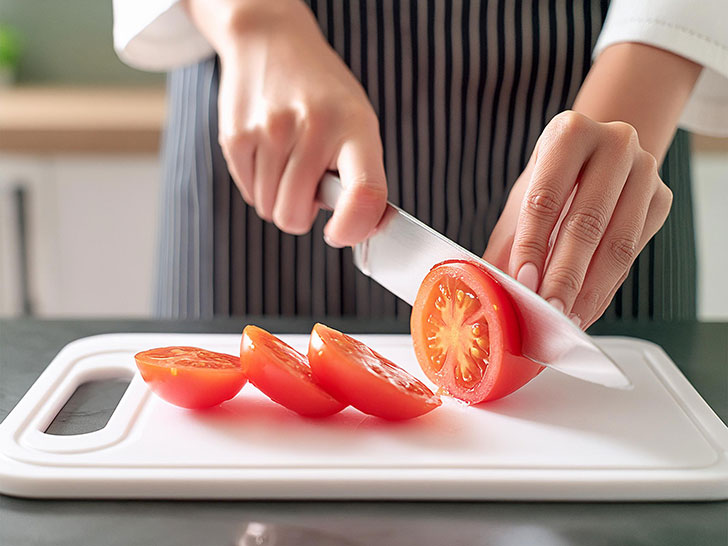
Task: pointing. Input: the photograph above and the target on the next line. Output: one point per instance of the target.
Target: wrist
(227, 23)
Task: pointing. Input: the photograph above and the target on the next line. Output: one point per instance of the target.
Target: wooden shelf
(46, 120)
(709, 144)
(110, 120)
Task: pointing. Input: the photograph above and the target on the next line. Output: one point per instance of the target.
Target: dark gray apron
(463, 89)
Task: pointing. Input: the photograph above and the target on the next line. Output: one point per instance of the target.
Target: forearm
(642, 85)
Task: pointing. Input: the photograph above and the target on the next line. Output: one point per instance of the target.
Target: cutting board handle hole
(90, 407)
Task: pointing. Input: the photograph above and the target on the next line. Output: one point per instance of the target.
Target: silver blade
(402, 251)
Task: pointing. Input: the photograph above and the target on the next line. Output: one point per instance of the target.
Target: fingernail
(576, 320)
(557, 304)
(528, 276)
(331, 242)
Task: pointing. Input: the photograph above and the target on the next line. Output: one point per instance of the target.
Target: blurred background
(79, 171)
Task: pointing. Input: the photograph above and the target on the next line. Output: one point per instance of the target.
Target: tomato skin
(190, 377)
(355, 374)
(443, 339)
(283, 374)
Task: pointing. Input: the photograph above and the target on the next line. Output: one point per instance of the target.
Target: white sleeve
(156, 35)
(695, 30)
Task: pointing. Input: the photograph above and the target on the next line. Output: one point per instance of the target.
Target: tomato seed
(476, 353)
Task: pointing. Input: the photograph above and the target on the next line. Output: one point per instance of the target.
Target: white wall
(710, 174)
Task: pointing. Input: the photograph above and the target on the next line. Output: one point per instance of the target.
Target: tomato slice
(353, 373)
(283, 374)
(466, 334)
(190, 377)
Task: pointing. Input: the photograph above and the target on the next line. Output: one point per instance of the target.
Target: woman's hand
(290, 110)
(585, 206)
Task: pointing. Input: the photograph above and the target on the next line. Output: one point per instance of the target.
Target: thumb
(362, 203)
(498, 251)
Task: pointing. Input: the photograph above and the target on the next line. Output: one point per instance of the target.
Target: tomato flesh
(355, 374)
(191, 377)
(284, 374)
(466, 334)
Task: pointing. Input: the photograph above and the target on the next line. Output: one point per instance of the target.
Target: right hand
(290, 110)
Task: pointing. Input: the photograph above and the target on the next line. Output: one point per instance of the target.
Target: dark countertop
(27, 346)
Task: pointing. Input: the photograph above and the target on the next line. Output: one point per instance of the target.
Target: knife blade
(402, 250)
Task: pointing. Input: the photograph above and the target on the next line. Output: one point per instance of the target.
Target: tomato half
(190, 377)
(466, 334)
(353, 373)
(283, 374)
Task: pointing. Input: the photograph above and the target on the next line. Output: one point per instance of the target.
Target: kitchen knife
(402, 250)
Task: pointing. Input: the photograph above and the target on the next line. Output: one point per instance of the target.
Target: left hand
(587, 203)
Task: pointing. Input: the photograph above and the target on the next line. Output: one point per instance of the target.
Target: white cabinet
(91, 233)
(710, 198)
(16, 175)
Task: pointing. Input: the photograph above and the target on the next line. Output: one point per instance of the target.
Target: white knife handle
(329, 190)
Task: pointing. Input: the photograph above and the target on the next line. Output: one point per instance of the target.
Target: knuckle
(566, 279)
(314, 117)
(591, 299)
(365, 203)
(368, 191)
(623, 250)
(569, 125)
(542, 202)
(344, 115)
(280, 123)
(360, 116)
(587, 225)
(236, 140)
(623, 136)
(648, 161)
(666, 196)
(530, 247)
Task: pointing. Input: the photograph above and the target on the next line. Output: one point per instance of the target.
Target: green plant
(9, 47)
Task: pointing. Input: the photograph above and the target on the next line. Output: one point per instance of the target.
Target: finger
(276, 143)
(239, 153)
(621, 247)
(295, 208)
(604, 304)
(586, 220)
(498, 250)
(562, 150)
(362, 203)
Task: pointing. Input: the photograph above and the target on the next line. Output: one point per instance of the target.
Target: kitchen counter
(38, 120)
(27, 346)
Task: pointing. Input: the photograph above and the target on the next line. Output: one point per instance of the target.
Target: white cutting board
(558, 438)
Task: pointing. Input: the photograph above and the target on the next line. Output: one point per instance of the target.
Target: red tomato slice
(190, 377)
(466, 334)
(354, 374)
(283, 374)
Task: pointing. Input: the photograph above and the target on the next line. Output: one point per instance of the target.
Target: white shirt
(159, 35)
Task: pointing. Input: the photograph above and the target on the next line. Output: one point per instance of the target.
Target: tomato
(190, 377)
(283, 374)
(466, 334)
(354, 374)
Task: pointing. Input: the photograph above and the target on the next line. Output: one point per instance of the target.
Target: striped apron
(463, 88)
